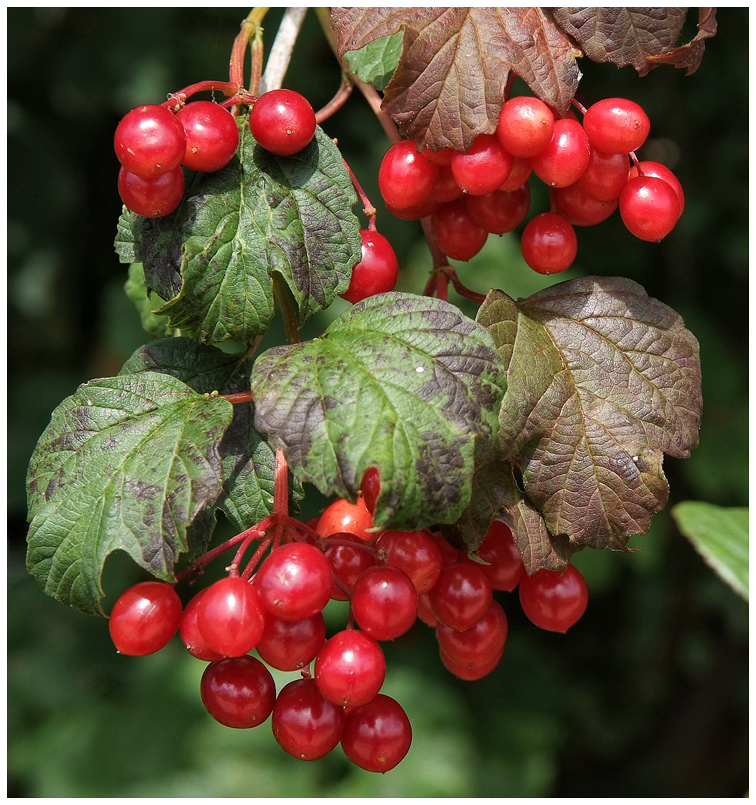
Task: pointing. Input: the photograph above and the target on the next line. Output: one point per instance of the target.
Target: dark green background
(646, 696)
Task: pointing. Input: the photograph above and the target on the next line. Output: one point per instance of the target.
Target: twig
(283, 45)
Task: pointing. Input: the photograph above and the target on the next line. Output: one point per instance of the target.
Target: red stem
(338, 100)
(281, 486)
(238, 397)
(367, 207)
(255, 560)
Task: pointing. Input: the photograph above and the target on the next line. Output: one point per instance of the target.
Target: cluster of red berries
(390, 579)
(591, 170)
(152, 143)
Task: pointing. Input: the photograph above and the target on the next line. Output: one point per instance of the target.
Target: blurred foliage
(646, 696)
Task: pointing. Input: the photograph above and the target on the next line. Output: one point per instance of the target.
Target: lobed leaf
(720, 535)
(399, 382)
(601, 382)
(213, 259)
(146, 304)
(126, 463)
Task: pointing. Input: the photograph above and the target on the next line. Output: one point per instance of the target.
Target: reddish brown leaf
(449, 85)
(688, 57)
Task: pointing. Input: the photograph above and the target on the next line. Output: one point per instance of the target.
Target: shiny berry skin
(414, 552)
(659, 171)
(149, 141)
(442, 157)
(238, 692)
(377, 271)
(605, 175)
(483, 168)
(469, 672)
(461, 596)
(370, 488)
(377, 735)
(291, 645)
(479, 644)
(144, 618)
(230, 617)
(191, 636)
(306, 725)
(294, 581)
(520, 173)
(350, 668)
(282, 121)
(554, 600)
(566, 156)
(384, 602)
(343, 516)
(616, 125)
(212, 136)
(152, 198)
(500, 212)
(525, 126)
(417, 211)
(504, 566)
(425, 611)
(649, 207)
(549, 243)
(406, 177)
(445, 188)
(580, 208)
(457, 234)
(348, 562)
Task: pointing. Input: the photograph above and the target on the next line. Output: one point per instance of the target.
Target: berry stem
(339, 99)
(176, 100)
(239, 397)
(256, 556)
(283, 45)
(250, 27)
(202, 561)
(281, 485)
(367, 207)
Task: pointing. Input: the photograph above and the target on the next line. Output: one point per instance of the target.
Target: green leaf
(375, 63)
(720, 535)
(249, 462)
(602, 381)
(214, 257)
(399, 382)
(126, 463)
(146, 304)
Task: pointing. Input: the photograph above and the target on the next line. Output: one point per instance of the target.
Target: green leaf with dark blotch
(128, 241)
(146, 304)
(375, 63)
(602, 381)
(126, 463)
(213, 258)
(249, 462)
(496, 496)
(720, 535)
(450, 83)
(400, 382)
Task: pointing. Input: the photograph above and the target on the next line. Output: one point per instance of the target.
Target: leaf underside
(126, 463)
(449, 84)
(399, 382)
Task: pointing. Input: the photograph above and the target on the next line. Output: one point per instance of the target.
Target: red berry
(144, 618)
(500, 212)
(414, 552)
(282, 121)
(566, 156)
(605, 175)
(549, 243)
(659, 171)
(469, 672)
(425, 611)
(616, 125)
(442, 157)
(525, 126)
(580, 208)
(478, 645)
(377, 735)
(521, 170)
(461, 596)
(370, 488)
(239, 692)
(384, 602)
(554, 600)
(378, 270)
(294, 581)
(149, 141)
(417, 211)
(343, 516)
(649, 207)
(212, 136)
(306, 725)
(405, 177)
(191, 636)
(348, 562)
(505, 569)
(445, 188)
(291, 645)
(456, 232)
(152, 198)
(483, 168)
(230, 617)
(350, 668)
